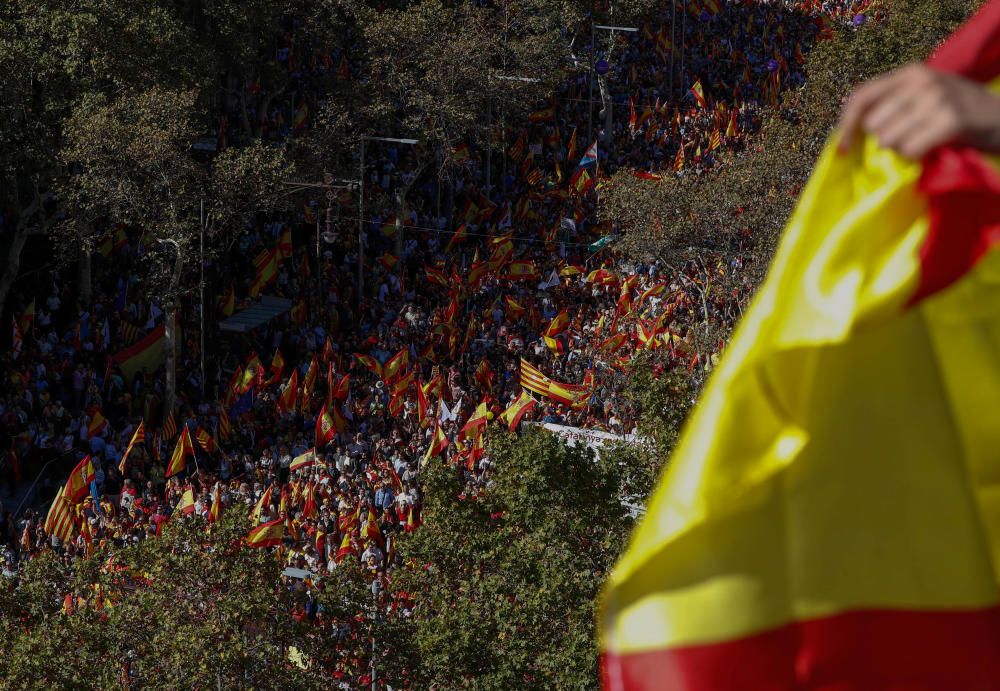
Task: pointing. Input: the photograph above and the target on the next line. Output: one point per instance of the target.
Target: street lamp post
(590, 95)
(361, 207)
(329, 184)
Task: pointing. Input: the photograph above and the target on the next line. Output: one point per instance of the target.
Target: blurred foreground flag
(831, 516)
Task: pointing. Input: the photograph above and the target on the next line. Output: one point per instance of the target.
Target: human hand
(916, 109)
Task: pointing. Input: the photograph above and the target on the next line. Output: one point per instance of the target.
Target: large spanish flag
(831, 516)
(146, 354)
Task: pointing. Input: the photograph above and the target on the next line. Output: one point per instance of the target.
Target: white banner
(593, 438)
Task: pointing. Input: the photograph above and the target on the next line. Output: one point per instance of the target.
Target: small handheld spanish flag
(267, 534)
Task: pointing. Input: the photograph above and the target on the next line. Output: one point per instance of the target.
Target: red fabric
(962, 188)
(872, 650)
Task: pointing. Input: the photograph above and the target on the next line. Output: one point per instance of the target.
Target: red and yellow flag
(829, 518)
(138, 437)
(326, 428)
(267, 534)
(346, 548)
(533, 380)
(216, 510)
(59, 521)
(186, 504)
(183, 448)
(79, 481)
(370, 363)
(258, 508)
(439, 442)
(521, 406)
(227, 303)
(286, 399)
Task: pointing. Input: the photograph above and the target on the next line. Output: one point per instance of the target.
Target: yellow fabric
(846, 453)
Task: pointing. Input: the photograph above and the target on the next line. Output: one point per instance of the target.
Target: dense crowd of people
(409, 371)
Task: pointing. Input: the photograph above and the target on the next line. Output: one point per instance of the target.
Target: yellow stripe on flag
(840, 458)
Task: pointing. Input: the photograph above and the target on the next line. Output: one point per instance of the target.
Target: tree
(755, 190)
(54, 55)
(505, 581)
(187, 609)
(132, 161)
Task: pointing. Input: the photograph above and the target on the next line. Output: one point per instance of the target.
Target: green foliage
(188, 609)
(505, 582)
(755, 191)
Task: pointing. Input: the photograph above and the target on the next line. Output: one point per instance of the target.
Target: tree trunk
(13, 262)
(21, 232)
(86, 274)
(170, 334)
(169, 345)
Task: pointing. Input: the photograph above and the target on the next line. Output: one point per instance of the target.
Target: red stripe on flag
(139, 346)
(854, 651)
(961, 186)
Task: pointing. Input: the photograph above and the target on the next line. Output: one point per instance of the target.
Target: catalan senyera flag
(59, 521)
(267, 534)
(533, 380)
(829, 519)
(205, 440)
(138, 437)
(182, 449)
(521, 406)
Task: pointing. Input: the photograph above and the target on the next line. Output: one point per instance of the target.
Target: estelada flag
(829, 519)
(267, 534)
(182, 449)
